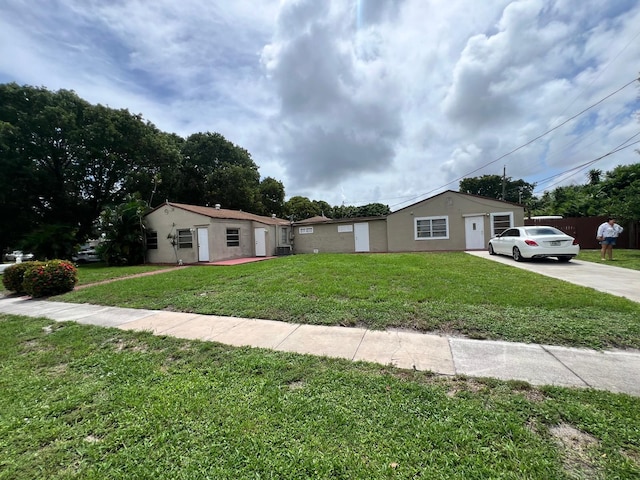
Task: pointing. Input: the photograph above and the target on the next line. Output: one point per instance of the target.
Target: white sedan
(534, 242)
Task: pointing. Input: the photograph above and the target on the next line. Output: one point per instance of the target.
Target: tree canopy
(615, 193)
(300, 208)
(63, 161)
(516, 191)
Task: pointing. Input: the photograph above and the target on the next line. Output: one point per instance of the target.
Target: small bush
(50, 278)
(14, 276)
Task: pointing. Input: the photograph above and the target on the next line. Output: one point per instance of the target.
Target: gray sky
(353, 101)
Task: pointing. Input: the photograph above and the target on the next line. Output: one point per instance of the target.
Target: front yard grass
(625, 258)
(99, 272)
(81, 401)
(449, 293)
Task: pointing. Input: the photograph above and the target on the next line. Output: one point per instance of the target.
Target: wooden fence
(584, 230)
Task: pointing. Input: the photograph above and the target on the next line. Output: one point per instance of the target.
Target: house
(181, 233)
(451, 221)
(345, 235)
(447, 221)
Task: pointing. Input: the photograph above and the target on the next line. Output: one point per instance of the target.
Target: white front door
(203, 245)
(261, 242)
(474, 232)
(361, 234)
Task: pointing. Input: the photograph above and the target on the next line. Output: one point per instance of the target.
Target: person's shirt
(606, 230)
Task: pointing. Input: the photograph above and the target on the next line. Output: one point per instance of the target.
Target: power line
(524, 144)
(620, 147)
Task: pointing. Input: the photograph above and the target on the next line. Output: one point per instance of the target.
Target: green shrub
(13, 276)
(50, 278)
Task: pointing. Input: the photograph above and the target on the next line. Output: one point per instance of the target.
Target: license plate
(555, 244)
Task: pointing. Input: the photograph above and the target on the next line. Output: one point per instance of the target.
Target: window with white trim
(305, 230)
(431, 228)
(284, 235)
(501, 221)
(185, 238)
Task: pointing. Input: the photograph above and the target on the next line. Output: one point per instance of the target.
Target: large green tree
(492, 186)
(123, 232)
(299, 208)
(214, 170)
(63, 160)
(616, 193)
(272, 197)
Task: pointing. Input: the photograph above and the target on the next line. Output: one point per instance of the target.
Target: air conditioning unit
(284, 250)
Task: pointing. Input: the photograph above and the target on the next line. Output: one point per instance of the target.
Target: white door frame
(474, 232)
(203, 244)
(361, 237)
(260, 235)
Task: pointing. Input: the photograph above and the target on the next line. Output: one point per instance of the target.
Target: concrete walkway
(616, 371)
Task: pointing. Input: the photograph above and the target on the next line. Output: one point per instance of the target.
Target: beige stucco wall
(167, 220)
(327, 239)
(401, 224)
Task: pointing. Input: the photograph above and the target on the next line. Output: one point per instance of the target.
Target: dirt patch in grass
(577, 448)
(463, 385)
(632, 456)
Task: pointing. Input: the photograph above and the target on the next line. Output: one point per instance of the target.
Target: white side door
(474, 233)
(361, 235)
(203, 245)
(260, 235)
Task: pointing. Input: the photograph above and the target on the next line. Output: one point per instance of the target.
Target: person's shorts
(609, 241)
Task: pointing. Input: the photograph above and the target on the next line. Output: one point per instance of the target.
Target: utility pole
(504, 181)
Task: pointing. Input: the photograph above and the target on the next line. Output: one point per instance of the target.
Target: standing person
(607, 234)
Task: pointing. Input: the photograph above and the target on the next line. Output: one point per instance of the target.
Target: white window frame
(305, 230)
(440, 217)
(492, 221)
(284, 235)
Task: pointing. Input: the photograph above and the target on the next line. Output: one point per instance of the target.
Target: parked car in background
(86, 255)
(534, 242)
(13, 256)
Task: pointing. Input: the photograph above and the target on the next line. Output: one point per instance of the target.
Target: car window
(544, 231)
(512, 232)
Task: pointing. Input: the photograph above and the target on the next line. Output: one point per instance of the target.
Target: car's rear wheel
(564, 258)
(491, 250)
(517, 256)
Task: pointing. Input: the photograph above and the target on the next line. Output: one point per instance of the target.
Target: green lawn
(451, 293)
(624, 258)
(95, 403)
(99, 272)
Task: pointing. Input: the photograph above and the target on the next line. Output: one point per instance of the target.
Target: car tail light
(575, 242)
(531, 243)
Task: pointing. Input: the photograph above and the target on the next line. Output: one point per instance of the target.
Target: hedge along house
(180, 233)
(451, 221)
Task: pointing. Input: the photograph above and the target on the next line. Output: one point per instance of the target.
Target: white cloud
(359, 100)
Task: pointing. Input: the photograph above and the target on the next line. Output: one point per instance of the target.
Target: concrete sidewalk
(616, 371)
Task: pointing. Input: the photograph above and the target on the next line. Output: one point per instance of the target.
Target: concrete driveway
(604, 277)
